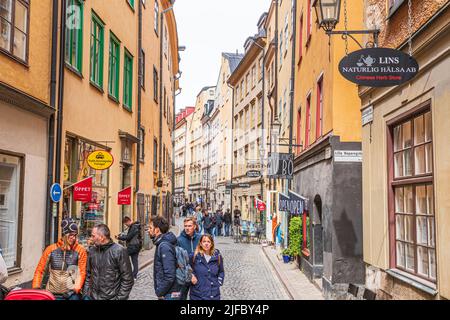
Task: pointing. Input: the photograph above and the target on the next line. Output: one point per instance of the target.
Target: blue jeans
(227, 229)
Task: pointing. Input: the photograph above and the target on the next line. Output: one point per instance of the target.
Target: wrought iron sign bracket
(375, 33)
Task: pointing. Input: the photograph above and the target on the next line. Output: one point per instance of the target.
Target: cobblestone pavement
(248, 275)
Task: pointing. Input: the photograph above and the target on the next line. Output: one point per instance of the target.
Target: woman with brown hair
(208, 272)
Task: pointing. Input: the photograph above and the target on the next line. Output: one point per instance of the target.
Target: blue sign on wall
(56, 192)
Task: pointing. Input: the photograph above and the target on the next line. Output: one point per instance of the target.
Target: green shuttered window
(128, 80)
(97, 42)
(114, 67)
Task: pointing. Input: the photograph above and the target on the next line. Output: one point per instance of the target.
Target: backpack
(184, 269)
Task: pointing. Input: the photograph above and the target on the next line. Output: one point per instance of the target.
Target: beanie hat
(68, 225)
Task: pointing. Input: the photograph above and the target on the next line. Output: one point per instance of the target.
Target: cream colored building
(247, 82)
(221, 120)
(26, 122)
(196, 144)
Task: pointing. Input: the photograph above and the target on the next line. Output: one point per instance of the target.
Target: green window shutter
(74, 34)
(128, 80)
(114, 67)
(97, 42)
(131, 2)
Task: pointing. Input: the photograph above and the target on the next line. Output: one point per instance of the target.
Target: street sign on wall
(253, 174)
(281, 166)
(56, 192)
(378, 67)
(348, 156)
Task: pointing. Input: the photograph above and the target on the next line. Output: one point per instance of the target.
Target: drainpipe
(161, 35)
(232, 150)
(62, 46)
(140, 81)
(51, 126)
(292, 84)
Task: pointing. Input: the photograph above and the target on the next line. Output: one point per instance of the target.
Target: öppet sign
(82, 191)
(124, 197)
(378, 67)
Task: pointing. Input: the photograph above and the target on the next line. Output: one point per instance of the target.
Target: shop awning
(293, 203)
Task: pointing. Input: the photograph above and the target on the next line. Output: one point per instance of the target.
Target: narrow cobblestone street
(248, 275)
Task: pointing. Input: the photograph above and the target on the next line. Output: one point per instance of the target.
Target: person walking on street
(165, 261)
(66, 261)
(207, 270)
(208, 223)
(188, 240)
(199, 216)
(227, 222)
(219, 223)
(109, 275)
(133, 240)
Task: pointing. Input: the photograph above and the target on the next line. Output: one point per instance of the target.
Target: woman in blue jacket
(208, 272)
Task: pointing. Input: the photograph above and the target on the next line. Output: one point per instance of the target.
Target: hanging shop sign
(124, 197)
(260, 205)
(378, 67)
(100, 160)
(281, 166)
(292, 203)
(82, 191)
(253, 174)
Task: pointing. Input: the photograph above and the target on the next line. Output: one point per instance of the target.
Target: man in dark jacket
(219, 222)
(133, 239)
(188, 240)
(208, 223)
(227, 221)
(165, 262)
(109, 275)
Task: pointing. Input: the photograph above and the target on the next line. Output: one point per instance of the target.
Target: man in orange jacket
(66, 263)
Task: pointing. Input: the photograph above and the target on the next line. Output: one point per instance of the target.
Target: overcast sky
(207, 28)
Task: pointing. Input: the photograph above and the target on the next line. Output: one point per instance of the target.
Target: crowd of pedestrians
(185, 267)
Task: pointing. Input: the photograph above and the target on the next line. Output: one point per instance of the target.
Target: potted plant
(286, 255)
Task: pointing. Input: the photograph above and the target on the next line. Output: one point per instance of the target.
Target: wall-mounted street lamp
(328, 12)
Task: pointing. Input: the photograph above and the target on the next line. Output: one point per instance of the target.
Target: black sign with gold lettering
(378, 67)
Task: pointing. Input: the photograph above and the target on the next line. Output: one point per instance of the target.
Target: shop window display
(76, 169)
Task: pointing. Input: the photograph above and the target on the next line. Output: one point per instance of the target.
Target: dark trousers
(134, 262)
(227, 229)
(184, 292)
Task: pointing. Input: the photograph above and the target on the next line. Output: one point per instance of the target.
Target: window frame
(20, 205)
(128, 60)
(78, 66)
(156, 17)
(308, 120)
(300, 53)
(155, 84)
(319, 107)
(113, 40)
(96, 21)
(12, 31)
(414, 181)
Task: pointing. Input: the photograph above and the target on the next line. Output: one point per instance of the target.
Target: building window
(308, 21)
(319, 109)
(97, 40)
(165, 103)
(260, 68)
(10, 215)
(308, 120)
(128, 80)
(155, 155)
(142, 76)
(300, 40)
(299, 130)
(142, 144)
(14, 26)
(156, 17)
(155, 84)
(131, 3)
(74, 34)
(413, 196)
(281, 47)
(114, 67)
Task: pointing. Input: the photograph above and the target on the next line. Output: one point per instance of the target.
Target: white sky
(207, 28)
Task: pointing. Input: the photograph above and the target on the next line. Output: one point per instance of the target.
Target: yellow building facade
(327, 164)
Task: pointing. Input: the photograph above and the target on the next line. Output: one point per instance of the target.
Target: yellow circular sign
(100, 160)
